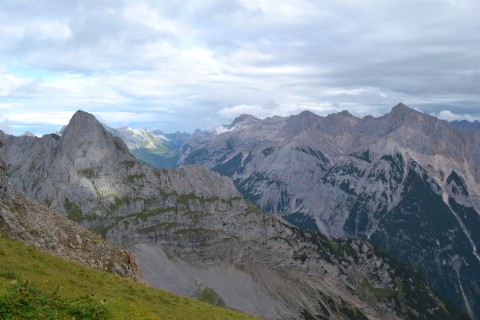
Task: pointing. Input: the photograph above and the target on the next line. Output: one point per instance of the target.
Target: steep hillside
(406, 181)
(193, 233)
(28, 270)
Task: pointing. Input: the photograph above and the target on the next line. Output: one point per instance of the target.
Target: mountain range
(406, 181)
(193, 233)
(295, 167)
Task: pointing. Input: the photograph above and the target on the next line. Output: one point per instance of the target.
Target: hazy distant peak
(28, 134)
(307, 114)
(406, 115)
(402, 110)
(465, 124)
(343, 114)
(346, 114)
(401, 106)
(244, 118)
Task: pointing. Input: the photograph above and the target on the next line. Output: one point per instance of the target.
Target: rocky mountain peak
(410, 123)
(84, 124)
(401, 111)
(301, 122)
(87, 141)
(341, 119)
(245, 119)
(400, 107)
(345, 113)
(307, 114)
(28, 134)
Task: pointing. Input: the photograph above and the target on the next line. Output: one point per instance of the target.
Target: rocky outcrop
(192, 231)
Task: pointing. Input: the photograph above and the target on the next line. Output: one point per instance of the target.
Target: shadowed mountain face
(193, 233)
(407, 181)
(464, 124)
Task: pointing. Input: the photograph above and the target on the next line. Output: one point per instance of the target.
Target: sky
(187, 64)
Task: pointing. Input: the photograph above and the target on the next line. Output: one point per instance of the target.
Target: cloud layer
(180, 65)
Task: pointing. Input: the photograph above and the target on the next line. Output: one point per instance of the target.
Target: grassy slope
(126, 299)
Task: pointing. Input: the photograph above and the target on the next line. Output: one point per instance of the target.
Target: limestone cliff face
(191, 230)
(31, 222)
(5, 192)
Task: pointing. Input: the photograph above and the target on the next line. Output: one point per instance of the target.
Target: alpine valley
(406, 182)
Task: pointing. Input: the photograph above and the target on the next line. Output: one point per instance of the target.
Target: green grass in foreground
(66, 282)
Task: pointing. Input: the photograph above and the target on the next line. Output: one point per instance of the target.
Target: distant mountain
(464, 124)
(193, 233)
(28, 133)
(406, 181)
(153, 147)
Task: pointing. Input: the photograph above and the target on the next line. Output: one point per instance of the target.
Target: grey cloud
(360, 55)
(5, 125)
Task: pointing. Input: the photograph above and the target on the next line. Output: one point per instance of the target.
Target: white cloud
(200, 62)
(272, 108)
(235, 111)
(5, 125)
(450, 116)
(57, 118)
(117, 119)
(10, 82)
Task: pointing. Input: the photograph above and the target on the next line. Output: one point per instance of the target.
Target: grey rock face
(354, 177)
(31, 222)
(5, 192)
(190, 229)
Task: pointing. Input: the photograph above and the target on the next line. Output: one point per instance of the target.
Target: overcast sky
(186, 64)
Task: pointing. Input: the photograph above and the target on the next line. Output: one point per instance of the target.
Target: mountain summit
(86, 140)
(401, 108)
